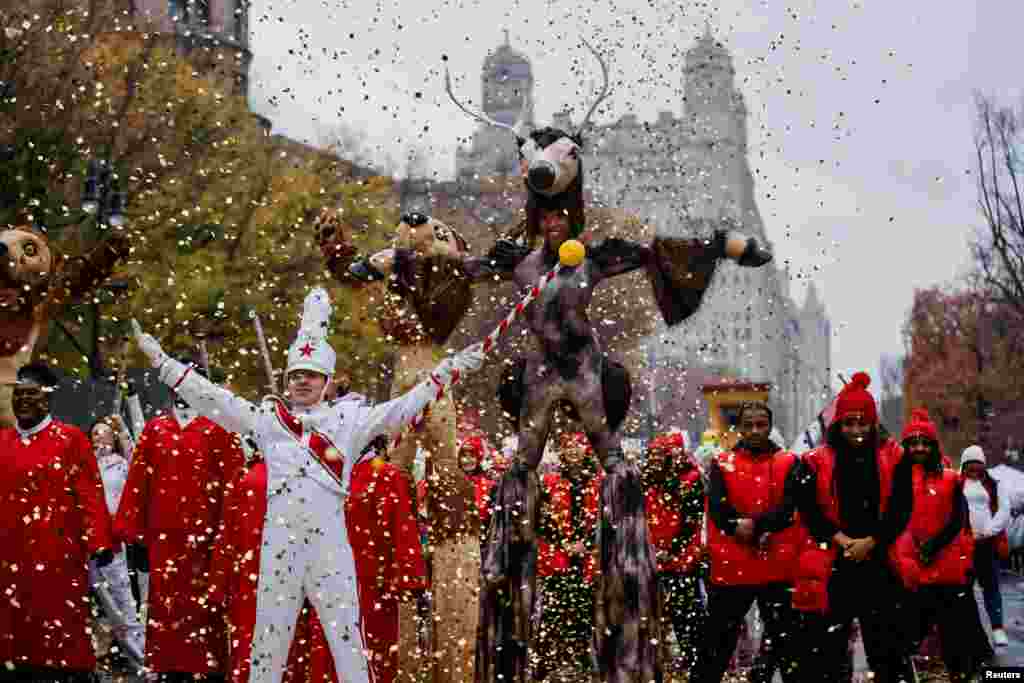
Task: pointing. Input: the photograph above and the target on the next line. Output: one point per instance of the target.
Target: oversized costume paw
(333, 239)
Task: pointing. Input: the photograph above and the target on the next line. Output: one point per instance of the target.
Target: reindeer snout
(542, 175)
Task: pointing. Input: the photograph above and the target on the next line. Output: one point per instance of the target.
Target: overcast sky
(860, 112)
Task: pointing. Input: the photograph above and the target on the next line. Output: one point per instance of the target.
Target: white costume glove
(468, 360)
(149, 345)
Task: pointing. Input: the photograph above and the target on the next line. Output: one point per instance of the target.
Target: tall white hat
(310, 350)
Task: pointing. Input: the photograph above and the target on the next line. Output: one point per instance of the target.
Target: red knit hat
(920, 425)
(855, 398)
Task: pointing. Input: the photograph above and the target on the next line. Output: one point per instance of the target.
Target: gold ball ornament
(332, 454)
(571, 253)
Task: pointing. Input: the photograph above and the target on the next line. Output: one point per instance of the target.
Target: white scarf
(26, 433)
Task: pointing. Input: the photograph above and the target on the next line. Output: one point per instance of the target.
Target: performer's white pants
(114, 590)
(306, 554)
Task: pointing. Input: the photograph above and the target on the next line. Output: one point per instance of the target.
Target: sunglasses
(917, 441)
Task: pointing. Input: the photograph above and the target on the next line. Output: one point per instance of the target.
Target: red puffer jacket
(755, 486)
(933, 503)
(815, 561)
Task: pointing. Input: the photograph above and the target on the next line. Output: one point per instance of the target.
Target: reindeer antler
(515, 128)
(604, 89)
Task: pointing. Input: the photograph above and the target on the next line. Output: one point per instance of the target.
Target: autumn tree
(964, 364)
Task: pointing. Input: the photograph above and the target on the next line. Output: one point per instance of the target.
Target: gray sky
(860, 112)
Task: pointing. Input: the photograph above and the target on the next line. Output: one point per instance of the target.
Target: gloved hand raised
(470, 359)
(148, 345)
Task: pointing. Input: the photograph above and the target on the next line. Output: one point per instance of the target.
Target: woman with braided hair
(674, 493)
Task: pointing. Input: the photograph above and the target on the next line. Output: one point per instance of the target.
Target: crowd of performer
(171, 527)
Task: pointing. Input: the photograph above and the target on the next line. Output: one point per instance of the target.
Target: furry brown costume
(36, 281)
(422, 301)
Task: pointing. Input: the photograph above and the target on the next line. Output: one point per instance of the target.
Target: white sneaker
(999, 638)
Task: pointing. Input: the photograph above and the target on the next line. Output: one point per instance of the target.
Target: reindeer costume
(571, 367)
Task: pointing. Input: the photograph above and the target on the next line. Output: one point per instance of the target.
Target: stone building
(674, 173)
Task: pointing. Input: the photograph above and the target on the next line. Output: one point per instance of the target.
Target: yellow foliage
(218, 215)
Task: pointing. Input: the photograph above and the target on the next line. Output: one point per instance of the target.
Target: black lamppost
(103, 199)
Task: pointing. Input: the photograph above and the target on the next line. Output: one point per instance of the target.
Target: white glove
(148, 345)
(470, 359)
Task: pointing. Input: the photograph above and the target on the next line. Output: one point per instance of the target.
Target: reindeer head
(550, 159)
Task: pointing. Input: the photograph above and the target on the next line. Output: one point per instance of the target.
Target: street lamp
(103, 199)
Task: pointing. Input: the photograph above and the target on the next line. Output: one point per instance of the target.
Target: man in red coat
(53, 520)
(856, 500)
(752, 544)
(172, 504)
(234, 572)
(390, 567)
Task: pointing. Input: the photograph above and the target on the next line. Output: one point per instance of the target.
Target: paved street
(1013, 609)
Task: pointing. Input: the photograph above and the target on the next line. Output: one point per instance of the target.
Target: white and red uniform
(53, 518)
(172, 504)
(234, 578)
(389, 557)
(305, 551)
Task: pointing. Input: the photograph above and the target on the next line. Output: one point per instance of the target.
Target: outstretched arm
(85, 273)
(388, 418)
(231, 412)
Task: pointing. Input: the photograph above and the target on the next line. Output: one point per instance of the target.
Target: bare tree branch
(998, 248)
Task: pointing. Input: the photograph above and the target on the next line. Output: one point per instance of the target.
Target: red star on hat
(307, 350)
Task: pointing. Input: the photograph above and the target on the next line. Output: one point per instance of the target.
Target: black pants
(953, 610)
(138, 561)
(727, 607)
(566, 625)
(683, 609)
(871, 594)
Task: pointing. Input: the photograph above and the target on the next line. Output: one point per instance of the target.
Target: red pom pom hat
(920, 425)
(855, 398)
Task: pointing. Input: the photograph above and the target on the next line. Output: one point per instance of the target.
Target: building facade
(676, 173)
